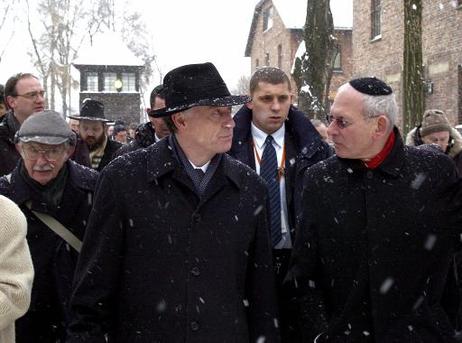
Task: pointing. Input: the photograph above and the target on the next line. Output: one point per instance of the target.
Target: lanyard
(281, 168)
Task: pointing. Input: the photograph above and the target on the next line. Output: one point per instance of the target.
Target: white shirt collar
(204, 167)
(259, 136)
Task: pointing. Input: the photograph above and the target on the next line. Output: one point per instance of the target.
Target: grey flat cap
(47, 127)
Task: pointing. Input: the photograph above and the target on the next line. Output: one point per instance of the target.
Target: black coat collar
(160, 161)
(392, 164)
(78, 178)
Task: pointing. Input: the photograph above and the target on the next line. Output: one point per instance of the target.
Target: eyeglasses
(32, 95)
(51, 154)
(340, 121)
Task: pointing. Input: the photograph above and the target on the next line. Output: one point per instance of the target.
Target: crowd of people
(204, 226)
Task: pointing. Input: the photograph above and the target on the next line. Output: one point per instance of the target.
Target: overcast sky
(183, 32)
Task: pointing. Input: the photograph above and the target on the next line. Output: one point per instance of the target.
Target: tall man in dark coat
(24, 95)
(177, 247)
(378, 229)
(298, 146)
(46, 184)
(92, 133)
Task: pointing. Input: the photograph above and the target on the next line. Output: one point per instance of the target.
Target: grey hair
(377, 105)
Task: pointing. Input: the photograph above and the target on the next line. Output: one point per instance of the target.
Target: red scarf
(380, 157)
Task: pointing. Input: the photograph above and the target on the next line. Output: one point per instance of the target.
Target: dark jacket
(145, 135)
(176, 268)
(304, 147)
(374, 248)
(54, 260)
(81, 153)
(109, 153)
(9, 156)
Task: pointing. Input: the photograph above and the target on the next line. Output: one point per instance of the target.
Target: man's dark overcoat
(160, 265)
(304, 147)
(9, 156)
(374, 246)
(54, 260)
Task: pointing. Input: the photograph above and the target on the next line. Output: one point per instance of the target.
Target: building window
(268, 18)
(257, 63)
(337, 59)
(267, 59)
(376, 19)
(128, 82)
(280, 56)
(109, 82)
(92, 82)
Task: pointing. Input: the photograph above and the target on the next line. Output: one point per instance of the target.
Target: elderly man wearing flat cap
(378, 229)
(177, 248)
(92, 131)
(55, 194)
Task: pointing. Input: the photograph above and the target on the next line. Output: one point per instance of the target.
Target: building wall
(268, 41)
(441, 47)
(344, 40)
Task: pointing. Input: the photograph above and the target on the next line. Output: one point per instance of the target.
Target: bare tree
(7, 16)
(243, 84)
(62, 27)
(313, 71)
(413, 91)
(137, 38)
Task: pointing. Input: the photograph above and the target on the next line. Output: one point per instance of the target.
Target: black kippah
(371, 86)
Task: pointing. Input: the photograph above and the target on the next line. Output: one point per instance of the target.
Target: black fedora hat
(195, 85)
(91, 110)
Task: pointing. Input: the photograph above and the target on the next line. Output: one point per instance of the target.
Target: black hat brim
(90, 118)
(231, 100)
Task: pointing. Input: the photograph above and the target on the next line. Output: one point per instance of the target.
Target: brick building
(110, 73)
(378, 41)
(276, 37)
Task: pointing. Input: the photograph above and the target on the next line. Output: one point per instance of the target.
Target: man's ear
(70, 151)
(18, 148)
(383, 124)
(179, 120)
(10, 102)
(249, 105)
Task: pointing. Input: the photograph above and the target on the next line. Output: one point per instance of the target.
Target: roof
(107, 49)
(293, 15)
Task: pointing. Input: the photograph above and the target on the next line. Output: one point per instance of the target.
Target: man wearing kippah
(52, 191)
(379, 226)
(177, 247)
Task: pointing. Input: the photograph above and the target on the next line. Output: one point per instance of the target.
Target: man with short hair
(296, 146)
(55, 194)
(378, 229)
(92, 131)
(120, 134)
(177, 247)
(152, 131)
(24, 95)
(2, 101)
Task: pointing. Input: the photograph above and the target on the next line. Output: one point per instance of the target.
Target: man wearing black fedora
(178, 245)
(92, 130)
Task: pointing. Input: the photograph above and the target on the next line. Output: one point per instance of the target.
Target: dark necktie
(269, 172)
(200, 174)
